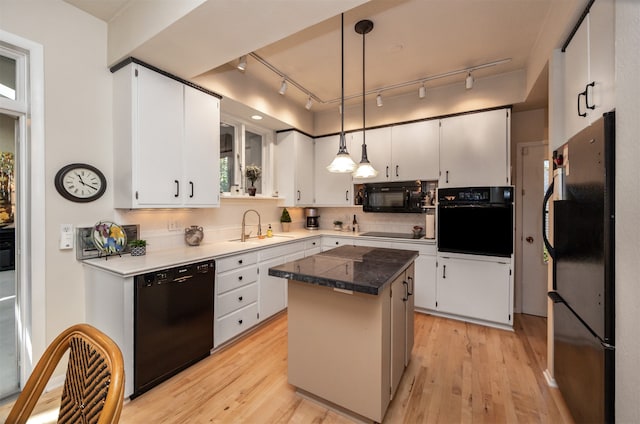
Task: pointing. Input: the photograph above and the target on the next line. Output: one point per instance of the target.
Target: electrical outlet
(173, 225)
(66, 236)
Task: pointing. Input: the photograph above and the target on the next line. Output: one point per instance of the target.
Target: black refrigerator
(583, 274)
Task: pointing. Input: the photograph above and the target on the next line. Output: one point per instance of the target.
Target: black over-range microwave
(396, 196)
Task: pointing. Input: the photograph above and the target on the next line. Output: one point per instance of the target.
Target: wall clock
(80, 182)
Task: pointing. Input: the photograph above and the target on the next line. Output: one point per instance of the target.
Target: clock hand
(80, 178)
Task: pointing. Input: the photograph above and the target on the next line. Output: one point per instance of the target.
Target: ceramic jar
(193, 235)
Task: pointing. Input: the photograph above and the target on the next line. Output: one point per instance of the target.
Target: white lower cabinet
(236, 301)
(313, 246)
(273, 290)
(475, 289)
(425, 290)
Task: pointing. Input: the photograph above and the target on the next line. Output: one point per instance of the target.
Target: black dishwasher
(173, 325)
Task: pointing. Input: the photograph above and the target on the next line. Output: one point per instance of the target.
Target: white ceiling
(411, 40)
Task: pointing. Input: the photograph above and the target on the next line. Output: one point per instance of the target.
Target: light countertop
(127, 265)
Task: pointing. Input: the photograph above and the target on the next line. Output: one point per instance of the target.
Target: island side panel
(339, 346)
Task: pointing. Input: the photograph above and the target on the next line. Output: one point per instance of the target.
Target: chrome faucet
(243, 236)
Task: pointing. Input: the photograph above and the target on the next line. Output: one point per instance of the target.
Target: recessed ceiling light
(256, 117)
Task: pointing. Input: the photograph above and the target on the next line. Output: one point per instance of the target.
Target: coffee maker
(312, 219)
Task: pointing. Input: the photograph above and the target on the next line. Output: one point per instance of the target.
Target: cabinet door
(601, 58)
(378, 153)
(304, 170)
(294, 168)
(201, 148)
(158, 148)
(272, 298)
(414, 151)
(474, 149)
(331, 189)
(474, 289)
(576, 71)
(398, 331)
(425, 282)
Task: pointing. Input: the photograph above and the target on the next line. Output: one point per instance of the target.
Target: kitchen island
(350, 318)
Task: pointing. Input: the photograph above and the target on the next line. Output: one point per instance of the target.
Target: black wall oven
(476, 220)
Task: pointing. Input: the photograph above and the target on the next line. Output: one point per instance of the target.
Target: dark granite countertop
(357, 268)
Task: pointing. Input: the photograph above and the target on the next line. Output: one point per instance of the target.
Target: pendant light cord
(343, 142)
(364, 142)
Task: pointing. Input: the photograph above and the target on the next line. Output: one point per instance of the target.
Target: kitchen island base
(349, 348)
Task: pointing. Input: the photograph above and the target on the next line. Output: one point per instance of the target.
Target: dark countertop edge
(343, 285)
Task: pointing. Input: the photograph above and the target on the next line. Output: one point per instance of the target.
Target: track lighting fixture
(242, 63)
(342, 163)
(468, 83)
(283, 87)
(379, 100)
(422, 91)
(309, 103)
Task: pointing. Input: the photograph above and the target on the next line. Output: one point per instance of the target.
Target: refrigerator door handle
(547, 244)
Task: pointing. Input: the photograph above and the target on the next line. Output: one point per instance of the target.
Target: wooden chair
(94, 385)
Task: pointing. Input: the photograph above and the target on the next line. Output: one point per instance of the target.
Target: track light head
(422, 91)
(309, 103)
(283, 87)
(379, 100)
(242, 63)
(468, 83)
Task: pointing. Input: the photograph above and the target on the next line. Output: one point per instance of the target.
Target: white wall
(77, 129)
(627, 207)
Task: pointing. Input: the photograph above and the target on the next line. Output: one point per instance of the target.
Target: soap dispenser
(269, 231)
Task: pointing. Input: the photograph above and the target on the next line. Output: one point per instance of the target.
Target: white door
(533, 268)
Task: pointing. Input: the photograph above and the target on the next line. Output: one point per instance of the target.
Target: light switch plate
(66, 236)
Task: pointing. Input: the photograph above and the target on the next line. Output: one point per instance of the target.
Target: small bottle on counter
(354, 225)
(269, 231)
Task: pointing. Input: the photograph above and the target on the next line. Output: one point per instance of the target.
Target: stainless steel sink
(258, 240)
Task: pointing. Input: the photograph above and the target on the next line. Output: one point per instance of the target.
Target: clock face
(80, 182)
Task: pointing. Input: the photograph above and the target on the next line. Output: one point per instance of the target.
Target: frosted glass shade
(365, 170)
(342, 163)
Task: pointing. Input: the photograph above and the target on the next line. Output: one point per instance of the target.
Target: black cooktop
(392, 235)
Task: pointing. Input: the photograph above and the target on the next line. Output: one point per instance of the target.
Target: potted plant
(138, 247)
(252, 172)
(285, 220)
(337, 225)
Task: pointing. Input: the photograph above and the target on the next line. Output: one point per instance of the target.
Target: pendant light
(364, 170)
(342, 163)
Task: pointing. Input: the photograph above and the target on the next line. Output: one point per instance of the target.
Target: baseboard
(551, 382)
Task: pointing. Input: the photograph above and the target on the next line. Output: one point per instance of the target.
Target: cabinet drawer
(237, 278)
(236, 299)
(424, 249)
(279, 251)
(331, 242)
(235, 323)
(312, 244)
(235, 261)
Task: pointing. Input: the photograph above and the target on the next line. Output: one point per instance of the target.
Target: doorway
(531, 278)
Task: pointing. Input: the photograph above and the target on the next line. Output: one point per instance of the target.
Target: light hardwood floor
(459, 372)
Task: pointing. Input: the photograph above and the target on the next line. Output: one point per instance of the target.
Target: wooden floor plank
(459, 373)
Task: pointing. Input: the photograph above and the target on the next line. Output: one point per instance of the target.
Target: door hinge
(136, 195)
(136, 72)
(523, 192)
(509, 271)
(258, 271)
(509, 317)
(436, 304)
(257, 315)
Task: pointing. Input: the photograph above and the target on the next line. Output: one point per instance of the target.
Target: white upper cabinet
(401, 152)
(589, 72)
(414, 151)
(201, 148)
(378, 152)
(331, 189)
(294, 167)
(474, 149)
(166, 142)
